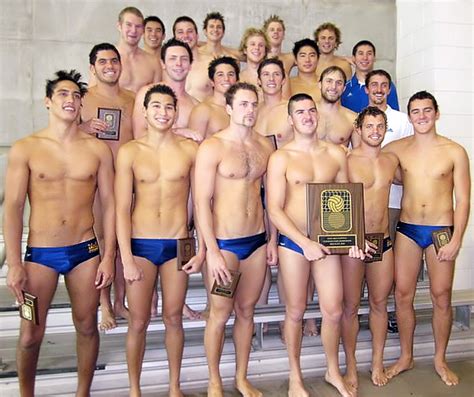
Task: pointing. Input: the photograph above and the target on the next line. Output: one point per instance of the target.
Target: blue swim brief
(285, 242)
(420, 234)
(243, 247)
(387, 244)
(156, 250)
(63, 259)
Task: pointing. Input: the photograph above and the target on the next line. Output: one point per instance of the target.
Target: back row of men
(62, 168)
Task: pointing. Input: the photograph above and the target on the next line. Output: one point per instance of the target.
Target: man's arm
(139, 124)
(105, 186)
(199, 119)
(16, 186)
(342, 175)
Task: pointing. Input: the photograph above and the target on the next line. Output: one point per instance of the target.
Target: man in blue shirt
(354, 96)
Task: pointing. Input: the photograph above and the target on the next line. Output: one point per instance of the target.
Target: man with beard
(229, 170)
(306, 54)
(105, 66)
(210, 116)
(336, 123)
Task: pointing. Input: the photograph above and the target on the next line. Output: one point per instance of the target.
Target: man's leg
(173, 291)
(352, 278)
(393, 218)
(220, 309)
(41, 282)
(84, 303)
(407, 266)
(252, 277)
(328, 279)
(310, 328)
(379, 277)
(441, 284)
(263, 298)
(139, 295)
(294, 273)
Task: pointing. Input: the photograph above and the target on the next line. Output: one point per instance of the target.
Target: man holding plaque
(59, 168)
(108, 98)
(306, 159)
(158, 170)
(230, 166)
(433, 168)
(376, 170)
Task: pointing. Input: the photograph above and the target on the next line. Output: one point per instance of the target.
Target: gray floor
(422, 381)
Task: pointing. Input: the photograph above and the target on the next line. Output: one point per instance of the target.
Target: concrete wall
(435, 53)
(38, 37)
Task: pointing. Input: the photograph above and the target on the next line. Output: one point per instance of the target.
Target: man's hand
(218, 268)
(272, 253)
(131, 271)
(314, 251)
(105, 273)
(93, 126)
(449, 252)
(189, 133)
(194, 265)
(16, 281)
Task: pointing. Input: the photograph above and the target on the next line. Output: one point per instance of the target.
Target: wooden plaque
(112, 118)
(377, 239)
(441, 237)
(186, 250)
(335, 215)
(228, 290)
(29, 309)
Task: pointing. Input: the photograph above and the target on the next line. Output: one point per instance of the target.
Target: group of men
(147, 188)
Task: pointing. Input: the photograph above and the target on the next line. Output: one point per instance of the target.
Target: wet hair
(102, 47)
(271, 61)
(63, 75)
(250, 32)
(369, 111)
(160, 89)
(175, 43)
(273, 18)
(420, 95)
(184, 18)
(298, 98)
(377, 72)
(304, 43)
(213, 15)
(328, 26)
(332, 69)
(361, 43)
(153, 18)
(240, 85)
(211, 70)
(130, 10)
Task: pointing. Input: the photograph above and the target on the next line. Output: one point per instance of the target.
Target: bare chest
(306, 168)
(243, 163)
(136, 72)
(336, 129)
(163, 166)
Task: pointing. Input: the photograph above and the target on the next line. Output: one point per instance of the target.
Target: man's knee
(378, 304)
(351, 309)
(138, 324)
(441, 299)
(332, 313)
(86, 326)
(244, 311)
(31, 338)
(220, 314)
(173, 320)
(295, 312)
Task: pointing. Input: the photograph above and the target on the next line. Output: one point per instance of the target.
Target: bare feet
(246, 389)
(351, 377)
(215, 390)
(107, 318)
(400, 366)
(296, 388)
(446, 375)
(175, 392)
(378, 376)
(190, 313)
(338, 382)
(310, 328)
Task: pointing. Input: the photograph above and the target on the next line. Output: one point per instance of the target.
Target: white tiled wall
(435, 53)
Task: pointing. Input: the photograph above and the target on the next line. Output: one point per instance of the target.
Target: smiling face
(154, 35)
(307, 59)
(224, 77)
(161, 112)
(275, 33)
(177, 63)
(131, 29)
(214, 30)
(378, 90)
(332, 86)
(372, 131)
(423, 116)
(186, 32)
(304, 117)
(271, 79)
(255, 50)
(327, 41)
(65, 102)
(243, 111)
(107, 67)
(364, 58)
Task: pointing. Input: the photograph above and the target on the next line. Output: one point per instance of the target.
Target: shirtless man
(153, 36)
(214, 29)
(176, 59)
(211, 116)
(328, 39)
(198, 84)
(336, 123)
(376, 170)
(306, 159)
(59, 168)
(158, 168)
(306, 53)
(105, 66)
(229, 170)
(433, 168)
(275, 29)
(138, 67)
(272, 112)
